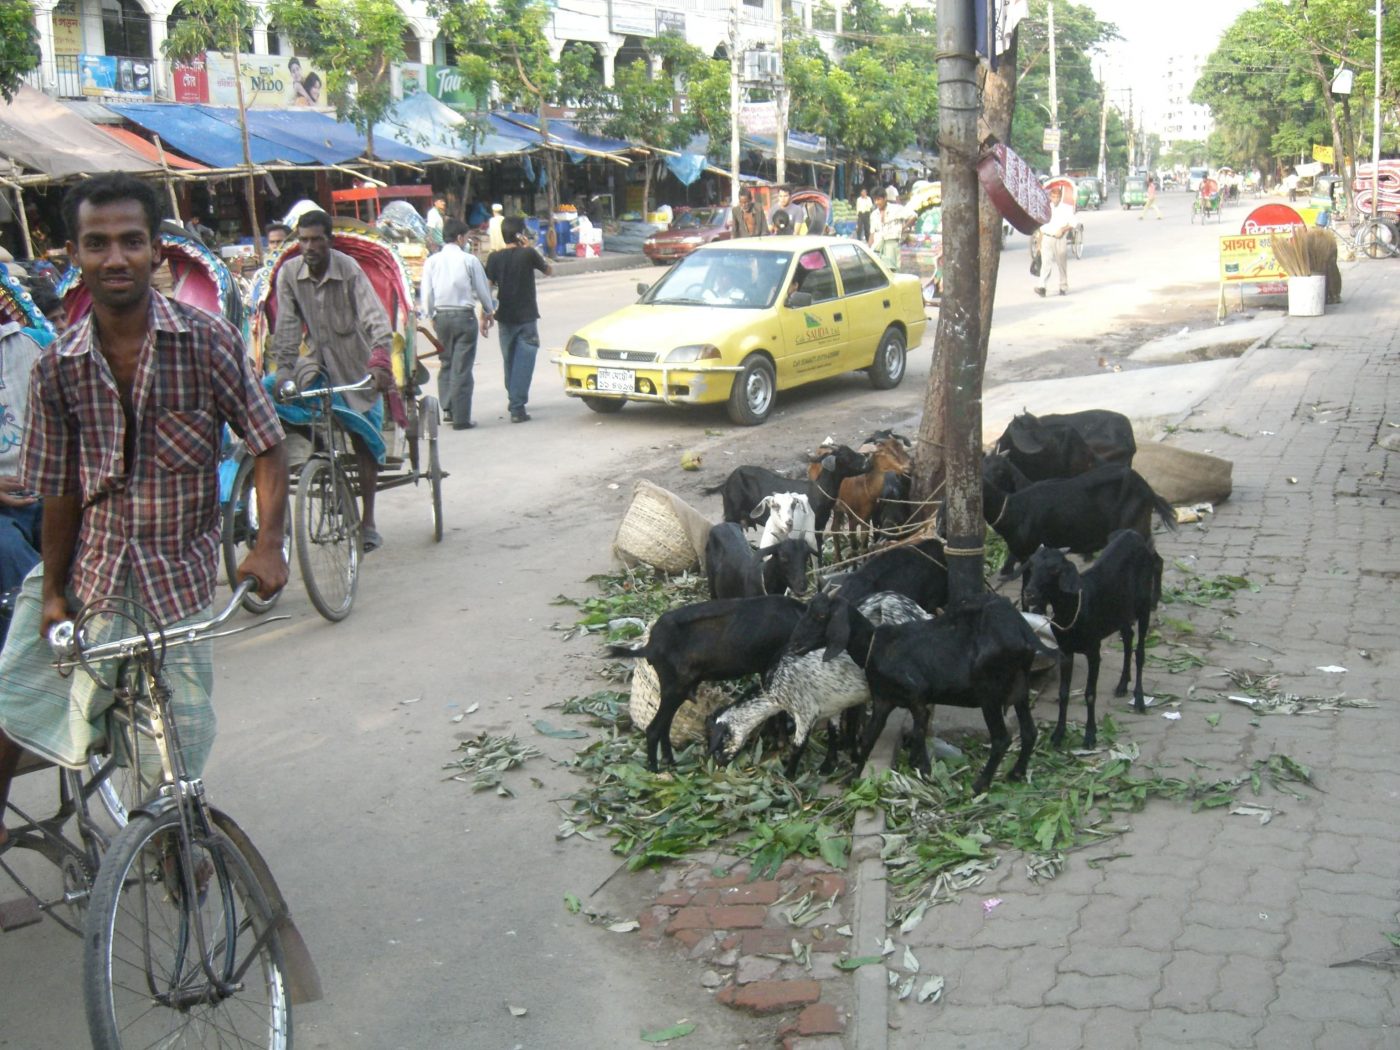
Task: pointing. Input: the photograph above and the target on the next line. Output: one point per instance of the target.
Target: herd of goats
(885, 634)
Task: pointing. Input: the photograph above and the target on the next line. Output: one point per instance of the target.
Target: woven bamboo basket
(651, 532)
(689, 723)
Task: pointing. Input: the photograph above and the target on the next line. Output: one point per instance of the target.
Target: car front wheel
(605, 405)
(888, 368)
(751, 399)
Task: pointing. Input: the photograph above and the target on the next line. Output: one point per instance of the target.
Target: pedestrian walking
(494, 240)
(1151, 200)
(864, 206)
(783, 220)
(1054, 241)
(454, 287)
(888, 225)
(512, 270)
(748, 217)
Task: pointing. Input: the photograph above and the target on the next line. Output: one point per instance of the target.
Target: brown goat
(859, 496)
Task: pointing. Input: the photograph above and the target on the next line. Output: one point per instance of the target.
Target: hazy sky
(1154, 29)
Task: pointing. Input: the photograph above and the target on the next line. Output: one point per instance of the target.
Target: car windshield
(699, 217)
(730, 277)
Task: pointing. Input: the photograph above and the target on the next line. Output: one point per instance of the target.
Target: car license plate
(616, 381)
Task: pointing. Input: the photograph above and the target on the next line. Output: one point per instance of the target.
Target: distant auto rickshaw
(1134, 192)
(1088, 193)
(1328, 193)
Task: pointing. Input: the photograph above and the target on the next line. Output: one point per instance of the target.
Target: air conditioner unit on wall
(762, 65)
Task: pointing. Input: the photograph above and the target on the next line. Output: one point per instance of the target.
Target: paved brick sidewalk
(1214, 930)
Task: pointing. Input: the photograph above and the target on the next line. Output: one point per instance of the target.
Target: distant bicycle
(1371, 237)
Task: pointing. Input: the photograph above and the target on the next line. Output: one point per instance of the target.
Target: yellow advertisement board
(1323, 154)
(1248, 257)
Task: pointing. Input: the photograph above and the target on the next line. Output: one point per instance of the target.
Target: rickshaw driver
(324, 297)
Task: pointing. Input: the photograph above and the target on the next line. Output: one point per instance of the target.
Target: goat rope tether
(1077, 606)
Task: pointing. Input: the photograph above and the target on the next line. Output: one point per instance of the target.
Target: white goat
(807, 688)
(790, 514)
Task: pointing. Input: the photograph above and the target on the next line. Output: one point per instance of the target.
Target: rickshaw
(1088, 193)
(922, 252)
(326, 516)
(816, 205)
(1207, 202)
(1134, 192)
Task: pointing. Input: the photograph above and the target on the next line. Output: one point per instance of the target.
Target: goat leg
(1000, 742)
(1066, 674)
(1139, 705)
(918, 740)
(1091, 684)
(833, 741)
(1125, 634)
(1021, 693)
(880, 713)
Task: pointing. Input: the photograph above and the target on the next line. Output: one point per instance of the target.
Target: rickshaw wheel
(328, 539)
(435, 485)
(240, 533)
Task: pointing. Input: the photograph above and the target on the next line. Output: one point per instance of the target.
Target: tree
(507, 38)
(19, 45)
(355, 42)
(219, 25)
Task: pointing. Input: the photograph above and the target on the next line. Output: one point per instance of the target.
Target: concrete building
(1182, 120)
(617, 29)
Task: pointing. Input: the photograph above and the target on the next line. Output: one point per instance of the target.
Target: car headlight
(650, 242)
(577, 347)
(693, 352)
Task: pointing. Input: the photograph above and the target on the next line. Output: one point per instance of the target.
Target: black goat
(1061, 446)
(745, 488)
(977, 654)
(736, 570)
(1076, 513)
(1118, 591)
(916, 570)
(709, 642)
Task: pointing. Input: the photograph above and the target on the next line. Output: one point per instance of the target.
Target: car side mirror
(643, 288)
(799, 300)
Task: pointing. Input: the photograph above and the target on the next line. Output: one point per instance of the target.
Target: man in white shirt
(1054, 241)
(493, 228)
(454, 285)
(436, 214)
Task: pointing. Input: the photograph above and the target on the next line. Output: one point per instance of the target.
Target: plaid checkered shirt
(158, 516)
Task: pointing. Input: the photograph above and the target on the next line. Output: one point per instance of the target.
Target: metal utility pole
(734, 105)
(1103, 135)
(1376, 125)
(780, 96)
(1131, 154)
(959, 321)
(1054, 96)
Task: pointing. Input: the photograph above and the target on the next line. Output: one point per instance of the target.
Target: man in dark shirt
(748, 217)
(512, 270)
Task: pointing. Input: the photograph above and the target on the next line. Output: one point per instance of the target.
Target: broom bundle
(1301, 253)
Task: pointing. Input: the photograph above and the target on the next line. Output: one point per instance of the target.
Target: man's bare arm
(63, 515)
(265, 562)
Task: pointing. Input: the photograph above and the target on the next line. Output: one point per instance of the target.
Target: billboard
(269, 81)
(190, 80)
(105, 76)
(448, 85)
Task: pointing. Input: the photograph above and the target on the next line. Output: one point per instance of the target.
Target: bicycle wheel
(241, 533)
(328, 539)
(435, 484)
(1376, 239)
(180, 947)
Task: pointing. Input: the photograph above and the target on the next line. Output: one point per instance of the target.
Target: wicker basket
(652, 532)
(689, 722)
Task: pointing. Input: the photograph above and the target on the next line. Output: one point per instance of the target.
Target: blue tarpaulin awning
(211, 134)
(566, 135)
(422, 121)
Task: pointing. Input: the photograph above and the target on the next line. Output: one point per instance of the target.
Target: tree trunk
(998, 107)
(646, 184)
(250, 185)
(551, 190)
(1330, 104)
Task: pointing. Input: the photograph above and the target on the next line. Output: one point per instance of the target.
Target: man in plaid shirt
(122, 443)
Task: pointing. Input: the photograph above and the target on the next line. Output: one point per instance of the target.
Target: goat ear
(838, 633)
(767, 552)
(1023, 437)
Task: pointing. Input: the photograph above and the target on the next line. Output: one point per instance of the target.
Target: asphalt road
(431, 910)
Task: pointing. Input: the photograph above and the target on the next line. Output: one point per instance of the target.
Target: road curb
(599, 264)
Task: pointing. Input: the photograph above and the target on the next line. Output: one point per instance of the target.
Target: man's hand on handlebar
(55, 611)
(268, 568)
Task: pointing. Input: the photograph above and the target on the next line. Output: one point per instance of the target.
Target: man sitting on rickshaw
(325, 300)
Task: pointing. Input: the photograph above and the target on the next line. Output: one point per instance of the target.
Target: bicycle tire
(144, 979)
(435, 485)
(1376, 239)
(240, 532)
(327, 539)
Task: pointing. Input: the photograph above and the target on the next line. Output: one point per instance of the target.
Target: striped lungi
(62, 719)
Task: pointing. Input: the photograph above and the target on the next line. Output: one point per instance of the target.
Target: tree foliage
(210, 25)
(354, 42)
(1268, 81)
(19, 45)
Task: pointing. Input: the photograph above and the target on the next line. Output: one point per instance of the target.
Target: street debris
(541, 726)
(690, 461)
(1262, 812)
(516, 1011)
(486, 758)
(931, 991)
(990, 904)
(1172, 716)
(1332, 669)
(677, 1031)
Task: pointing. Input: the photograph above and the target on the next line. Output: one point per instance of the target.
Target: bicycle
(1076, 240)
(1375, 238)
(187, 939)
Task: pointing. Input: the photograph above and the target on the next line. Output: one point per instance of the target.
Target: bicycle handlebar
(69, 652)
(288, 390)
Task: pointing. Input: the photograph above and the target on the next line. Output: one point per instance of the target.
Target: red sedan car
(690, 230)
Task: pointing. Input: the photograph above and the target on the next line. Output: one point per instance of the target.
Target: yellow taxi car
(737, 321)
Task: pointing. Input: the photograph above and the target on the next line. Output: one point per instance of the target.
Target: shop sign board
(269, 81)
(190, 80)
(106, 76)
(630, 18)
